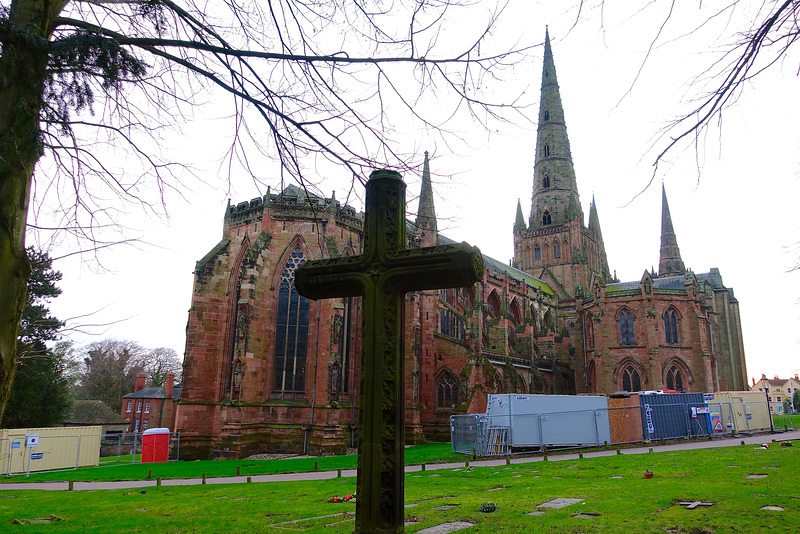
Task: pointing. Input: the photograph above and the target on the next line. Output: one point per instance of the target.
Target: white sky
(734, 210)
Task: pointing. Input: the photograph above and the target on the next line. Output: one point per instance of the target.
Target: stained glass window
(674, 379)
(447, 391)
(626, 328)
(670, 327)
(631, 381)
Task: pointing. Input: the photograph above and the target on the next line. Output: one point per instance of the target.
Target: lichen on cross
(382, 275)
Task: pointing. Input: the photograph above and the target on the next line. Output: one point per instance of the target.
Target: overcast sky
(733, 202)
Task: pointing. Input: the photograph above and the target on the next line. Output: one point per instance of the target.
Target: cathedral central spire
(555, 188)
(670, 262)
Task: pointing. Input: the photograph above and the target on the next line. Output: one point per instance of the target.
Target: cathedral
(268, 370)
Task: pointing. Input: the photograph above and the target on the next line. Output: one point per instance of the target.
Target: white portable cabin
(550, 420)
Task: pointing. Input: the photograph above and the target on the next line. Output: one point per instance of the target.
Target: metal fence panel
(670, 416)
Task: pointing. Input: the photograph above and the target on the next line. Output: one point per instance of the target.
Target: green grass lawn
(789, 421)
(611, 487)
(431, 453)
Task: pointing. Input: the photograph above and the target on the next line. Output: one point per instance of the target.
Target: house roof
(153, 393)
(94, 412)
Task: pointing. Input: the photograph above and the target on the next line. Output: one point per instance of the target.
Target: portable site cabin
(738, 411)
(526, 421)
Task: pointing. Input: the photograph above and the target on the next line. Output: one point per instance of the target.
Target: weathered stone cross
(383, 274)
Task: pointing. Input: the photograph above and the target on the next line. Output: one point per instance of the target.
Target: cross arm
(459, 265)
(331, 278)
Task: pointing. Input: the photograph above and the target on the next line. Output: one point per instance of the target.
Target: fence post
(78, 454)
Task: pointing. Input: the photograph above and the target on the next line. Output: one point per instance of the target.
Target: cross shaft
(383, 274)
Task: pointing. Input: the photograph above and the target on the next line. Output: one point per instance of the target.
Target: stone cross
(382, 275)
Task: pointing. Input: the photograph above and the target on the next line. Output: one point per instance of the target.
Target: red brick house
(267, 370)
(151, 407)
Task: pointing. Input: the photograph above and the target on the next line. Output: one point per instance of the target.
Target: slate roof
(153, 393)
(675, 282)
(94, 412)
(668, 282)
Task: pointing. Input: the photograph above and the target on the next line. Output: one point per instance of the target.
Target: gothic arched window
(546, 115)
(291, 333)
(671, 327)
(446, 391)
(546, 150)
(546, 218)
(631, 380)
(556, 250)
(537, 253)
(674, 379)
(546, 180)
(626, 328)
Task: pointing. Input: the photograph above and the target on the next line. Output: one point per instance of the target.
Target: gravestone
(382, 275)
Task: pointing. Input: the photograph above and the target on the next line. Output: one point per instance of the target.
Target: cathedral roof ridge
(513, 272)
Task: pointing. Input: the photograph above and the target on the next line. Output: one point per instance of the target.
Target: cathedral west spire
(519, 223)
(555, 190)
(426, 213)
(670, 262)
(594, 227)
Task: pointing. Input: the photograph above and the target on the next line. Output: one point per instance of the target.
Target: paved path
(325, 475)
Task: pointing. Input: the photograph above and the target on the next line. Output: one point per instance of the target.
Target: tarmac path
(325, 475)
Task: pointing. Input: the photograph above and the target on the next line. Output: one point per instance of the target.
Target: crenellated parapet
(296, 204)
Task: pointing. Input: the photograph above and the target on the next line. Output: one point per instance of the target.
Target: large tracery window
(671, 327)
(631, 380)
(291, 333)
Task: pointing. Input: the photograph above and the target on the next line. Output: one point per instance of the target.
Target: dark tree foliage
(41, 393)
(109, 371)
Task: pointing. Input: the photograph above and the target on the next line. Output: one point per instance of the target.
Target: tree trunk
(22, 75)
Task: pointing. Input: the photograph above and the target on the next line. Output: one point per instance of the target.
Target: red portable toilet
(155, 445)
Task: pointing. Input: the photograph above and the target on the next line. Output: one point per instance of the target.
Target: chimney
(140, 378)
(754, 380)
(168, 386)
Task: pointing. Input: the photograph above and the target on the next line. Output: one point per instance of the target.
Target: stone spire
(555, 189)
(519, 223)
(594, 227)
(670, 262)
(426, 213)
